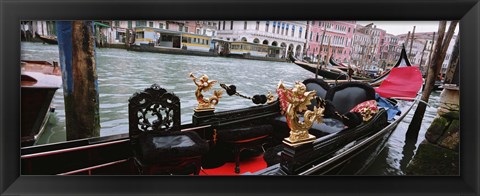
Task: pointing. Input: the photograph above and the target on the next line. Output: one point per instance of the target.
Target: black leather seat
(320, 86)
(346, 96)
(159, 146)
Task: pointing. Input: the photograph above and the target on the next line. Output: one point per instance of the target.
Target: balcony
(325, 43)
(333, 30)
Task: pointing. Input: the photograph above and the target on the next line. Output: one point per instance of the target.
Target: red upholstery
(402, 82)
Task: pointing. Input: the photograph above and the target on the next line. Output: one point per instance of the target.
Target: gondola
(39, 82)
(327, 73)
(338, 74)
(338, 65)
(402, 62)
(47, 39)
(346, 133)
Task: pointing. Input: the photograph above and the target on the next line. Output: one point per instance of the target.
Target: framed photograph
(229, 97)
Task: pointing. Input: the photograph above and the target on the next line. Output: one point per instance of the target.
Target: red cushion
(367, 109)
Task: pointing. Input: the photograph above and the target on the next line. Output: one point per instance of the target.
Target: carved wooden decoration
(153, 110)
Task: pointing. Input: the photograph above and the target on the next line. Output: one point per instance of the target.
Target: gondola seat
(176, 145)
(242, 138)
(343, 98)
(346, 96)
(320, 86)
(159, 147)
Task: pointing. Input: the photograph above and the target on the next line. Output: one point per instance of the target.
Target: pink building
(338, 33)
(375, 42)
(368, 44)
(390, 48)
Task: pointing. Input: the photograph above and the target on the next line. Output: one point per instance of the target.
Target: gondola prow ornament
(203, 85)
(296, 100)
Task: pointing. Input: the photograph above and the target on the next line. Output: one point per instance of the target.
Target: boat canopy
(101, 24)
(402, 82)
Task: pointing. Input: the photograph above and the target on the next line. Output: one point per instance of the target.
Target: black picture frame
(11, 12)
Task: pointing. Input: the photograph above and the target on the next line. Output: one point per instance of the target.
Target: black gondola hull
(323, 72)
(112, 155)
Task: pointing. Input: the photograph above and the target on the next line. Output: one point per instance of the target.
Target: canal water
(121, 73)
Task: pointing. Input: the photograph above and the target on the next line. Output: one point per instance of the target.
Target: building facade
(390, 50)
(338, 35)
(117, 32)
(29, 29)
(290, 35)
(349, 42)
(208, 28)
(360, 44)
(370, 43)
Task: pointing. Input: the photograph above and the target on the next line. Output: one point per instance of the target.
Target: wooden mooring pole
(438, 153)
(406, 41)
(451, 75)
(421, 58)
(76, 44)
(434, 69)
(411, 43)
(429, 56)
(320, 52)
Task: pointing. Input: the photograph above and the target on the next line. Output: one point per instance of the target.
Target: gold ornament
(270, 97)
(298, 99)
(204, 85)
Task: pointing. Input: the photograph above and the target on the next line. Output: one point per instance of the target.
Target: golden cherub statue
(298, 99)
(203, 85)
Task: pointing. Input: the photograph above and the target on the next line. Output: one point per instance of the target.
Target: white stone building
(289, 35)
